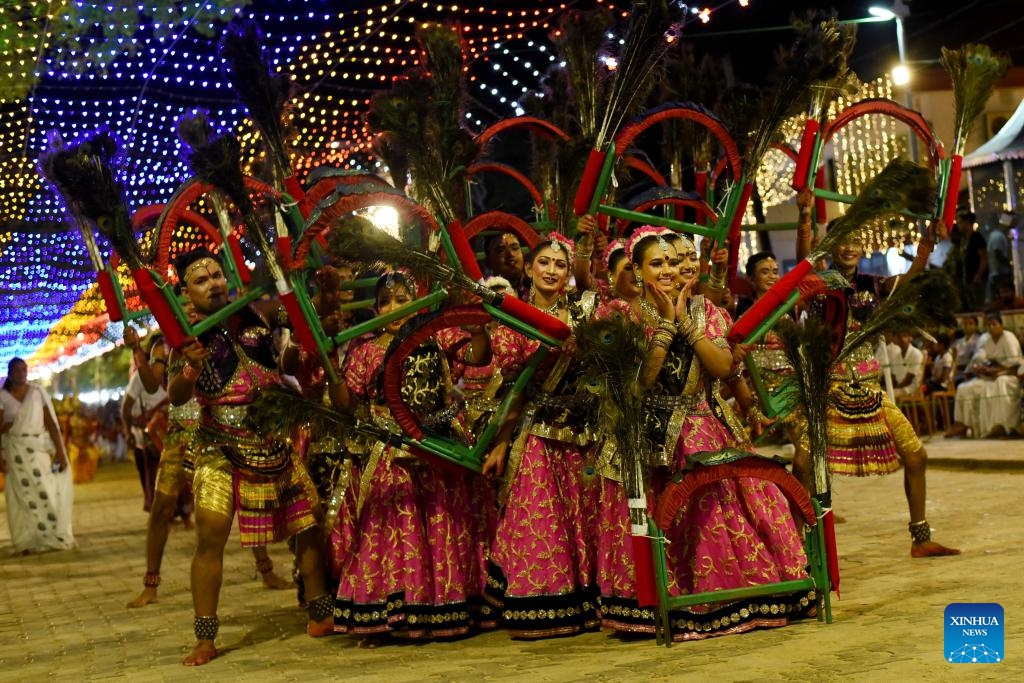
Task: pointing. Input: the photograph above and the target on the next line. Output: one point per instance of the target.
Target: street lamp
(901, 74)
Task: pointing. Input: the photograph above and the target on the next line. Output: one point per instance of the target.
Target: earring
(639, 281)
(533, 293)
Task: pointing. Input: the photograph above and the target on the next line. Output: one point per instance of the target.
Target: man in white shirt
(989, 403)
(907, 364)
(137, 409)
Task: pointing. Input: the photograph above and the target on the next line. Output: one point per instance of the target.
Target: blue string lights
(137, 78)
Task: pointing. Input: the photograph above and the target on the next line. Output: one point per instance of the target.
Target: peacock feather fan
(902, 188)
(684, 78)
(809, 348)
(581, 37)
(84, 175)
(356, 239)
(421, 119)
(612, 350)
(651, 22)
(925, 300)
(974, 71)
(281, 412)
(263, 92)
(215, 158)
(822, 52)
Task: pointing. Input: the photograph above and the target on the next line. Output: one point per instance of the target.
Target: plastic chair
(678, 494)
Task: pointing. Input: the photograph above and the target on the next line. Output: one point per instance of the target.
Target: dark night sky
(931, 25)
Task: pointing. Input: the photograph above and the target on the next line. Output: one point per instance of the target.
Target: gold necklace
(550, 310)
(650, 311)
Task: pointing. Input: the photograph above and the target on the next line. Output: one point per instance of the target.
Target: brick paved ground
(63, 615)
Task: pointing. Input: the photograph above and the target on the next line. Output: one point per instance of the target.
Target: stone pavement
(63, 614)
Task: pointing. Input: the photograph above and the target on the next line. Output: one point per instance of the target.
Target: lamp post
(901, 74)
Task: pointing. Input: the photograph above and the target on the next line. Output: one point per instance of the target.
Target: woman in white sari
(39, 493)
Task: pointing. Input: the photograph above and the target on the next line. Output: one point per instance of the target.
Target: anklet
(320, 608)
(265, 566)
(151, 580)
(206, 627)
(920, 532)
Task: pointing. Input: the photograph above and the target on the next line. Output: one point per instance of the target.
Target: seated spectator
(965, 346)
(988, 403)
(940, 365)
(907, 365)
(1005, 298)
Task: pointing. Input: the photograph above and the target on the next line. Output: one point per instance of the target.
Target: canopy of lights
(135, 69)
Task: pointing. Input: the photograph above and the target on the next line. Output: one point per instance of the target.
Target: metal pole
(907, 95)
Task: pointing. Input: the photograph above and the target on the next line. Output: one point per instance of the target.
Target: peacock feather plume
(281, 412)
(263, 92)
(84, 175)
(925, 300)
(974, 71)
(215, 158)
(651, 23)
(419, 123)
(809, 348)
(825, 46)
(902, 188)
(355, 239)
(612, 350)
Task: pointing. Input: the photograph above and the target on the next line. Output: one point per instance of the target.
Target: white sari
(38, 499)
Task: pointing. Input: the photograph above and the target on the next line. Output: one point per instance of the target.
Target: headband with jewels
(557, 241)
(185, 264)
(609, 251)
(394, 278)
(642, 232)
(669, 234)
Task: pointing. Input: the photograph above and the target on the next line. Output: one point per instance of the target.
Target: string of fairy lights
(139, 85)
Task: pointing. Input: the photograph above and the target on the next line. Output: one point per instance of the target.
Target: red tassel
(159, 307)
(831, 554)
(820, 213)
(236, 255)
(643, 564)
(768, 302)
(545, 324)
(110, 299)
(467, 257)
(588, 185)
(299, 323)
(803, 161)
(952, 191)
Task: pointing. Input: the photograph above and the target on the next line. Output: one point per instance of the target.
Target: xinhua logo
(974, 633)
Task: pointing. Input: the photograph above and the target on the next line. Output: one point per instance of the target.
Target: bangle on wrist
(190, 372)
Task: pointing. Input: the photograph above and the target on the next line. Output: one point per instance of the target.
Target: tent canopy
(1008, 143)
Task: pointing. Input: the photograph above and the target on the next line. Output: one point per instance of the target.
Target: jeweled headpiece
(669, 233)
(557, 241)
(642, 232)
(395, 278)
(609, 251)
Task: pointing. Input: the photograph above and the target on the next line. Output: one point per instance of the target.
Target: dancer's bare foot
(144, 598)
(373, 642)
(202, 653)
(319, 629)
(956, 429)
(931, 549)
(275, 582)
